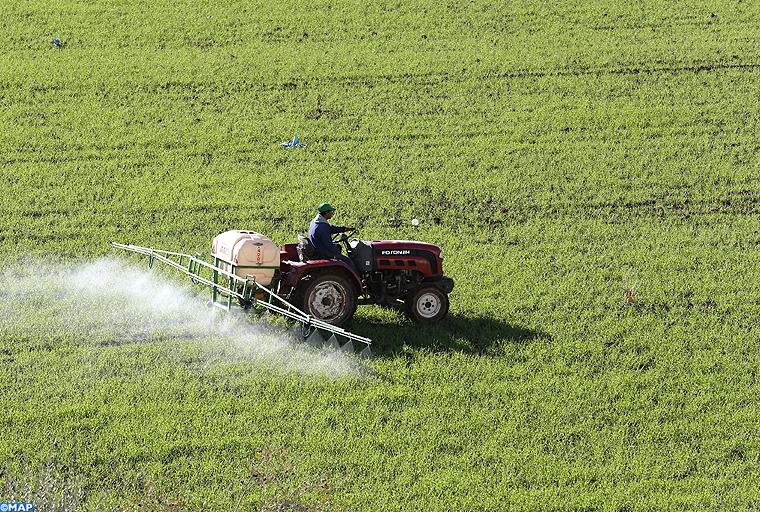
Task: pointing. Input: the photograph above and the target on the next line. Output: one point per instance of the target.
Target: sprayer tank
(247, 253)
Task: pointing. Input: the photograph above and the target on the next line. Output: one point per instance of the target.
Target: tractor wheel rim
(428, 305)
(328, 300)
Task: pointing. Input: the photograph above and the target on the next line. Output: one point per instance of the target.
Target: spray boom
(231, 285)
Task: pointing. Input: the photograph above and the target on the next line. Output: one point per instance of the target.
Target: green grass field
(590, 170)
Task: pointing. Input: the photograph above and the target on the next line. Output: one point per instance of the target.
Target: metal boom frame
(192, 266)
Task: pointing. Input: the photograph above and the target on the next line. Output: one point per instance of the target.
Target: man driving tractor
(320, 236)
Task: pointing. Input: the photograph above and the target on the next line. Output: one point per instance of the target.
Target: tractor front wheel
(330, 298)
(427, 304)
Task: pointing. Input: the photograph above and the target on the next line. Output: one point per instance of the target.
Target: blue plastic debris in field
(294, 144)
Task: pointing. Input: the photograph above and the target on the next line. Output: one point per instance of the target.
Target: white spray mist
(112, 301)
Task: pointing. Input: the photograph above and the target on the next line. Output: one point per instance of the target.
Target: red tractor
(390, 273)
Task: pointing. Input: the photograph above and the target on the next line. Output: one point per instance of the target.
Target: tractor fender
(300, 270)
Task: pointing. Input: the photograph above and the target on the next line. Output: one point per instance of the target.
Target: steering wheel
(343, 237)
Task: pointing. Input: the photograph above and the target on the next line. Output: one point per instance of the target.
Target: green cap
(325, 207)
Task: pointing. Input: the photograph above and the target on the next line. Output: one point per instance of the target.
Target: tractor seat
(305, 249)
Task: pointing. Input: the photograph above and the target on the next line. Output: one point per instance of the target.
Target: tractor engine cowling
(417, 257)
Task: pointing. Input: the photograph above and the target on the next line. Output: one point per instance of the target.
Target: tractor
(391, 273)
(250, 271)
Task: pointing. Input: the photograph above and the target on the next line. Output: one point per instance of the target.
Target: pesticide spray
(112, 301)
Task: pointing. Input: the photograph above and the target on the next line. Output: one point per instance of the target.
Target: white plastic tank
(247, 253)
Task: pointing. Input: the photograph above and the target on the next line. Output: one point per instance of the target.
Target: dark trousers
(339, 257)
(348, 261)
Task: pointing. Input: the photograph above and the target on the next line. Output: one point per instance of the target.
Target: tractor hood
(399, 255)
(391, 248)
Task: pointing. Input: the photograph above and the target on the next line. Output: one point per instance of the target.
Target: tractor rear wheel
(427, 304)
(330, 298)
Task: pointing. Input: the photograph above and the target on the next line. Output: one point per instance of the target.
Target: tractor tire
(427, 304)
(329, 298)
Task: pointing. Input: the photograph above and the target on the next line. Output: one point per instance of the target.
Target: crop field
(590, 169)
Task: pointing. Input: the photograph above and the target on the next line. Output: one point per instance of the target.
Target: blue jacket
(320, 236)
